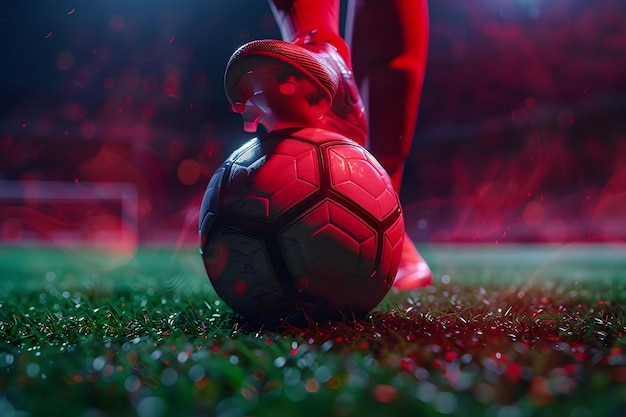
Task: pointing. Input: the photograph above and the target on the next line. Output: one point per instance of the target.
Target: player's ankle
(334, 39)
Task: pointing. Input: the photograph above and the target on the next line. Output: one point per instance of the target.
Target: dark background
(521, 134)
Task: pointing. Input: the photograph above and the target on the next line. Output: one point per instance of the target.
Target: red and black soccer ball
(304, 222)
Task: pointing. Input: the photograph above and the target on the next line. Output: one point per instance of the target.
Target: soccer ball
(301, 220)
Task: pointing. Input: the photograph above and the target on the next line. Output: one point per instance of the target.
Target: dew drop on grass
(280, 361)
(326, 346)
(445, 403)
(182, 357)
(291, 376)
(132, 383)
(169, 377)
(426, 392)
(98, 363)
(200, 355)
(421, 373)
(151, 407)
(600, 335)
(32, 369)
(196, 372)
(6, 360)
(295, 392)
(322, 374)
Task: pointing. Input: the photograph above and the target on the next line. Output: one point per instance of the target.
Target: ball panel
(210, 203)
(330, 252)
(265, 187)
(306, 161)
(354, 174)
(241, 271)
(210, 199)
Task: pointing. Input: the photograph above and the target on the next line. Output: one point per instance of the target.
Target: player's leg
(303, 80)
(389, 41)
(296, 19)
(282, 84)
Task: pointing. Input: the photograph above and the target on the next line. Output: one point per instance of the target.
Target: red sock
(389, 41)
(298, 18)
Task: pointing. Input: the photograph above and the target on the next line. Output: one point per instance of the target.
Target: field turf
(506, 331)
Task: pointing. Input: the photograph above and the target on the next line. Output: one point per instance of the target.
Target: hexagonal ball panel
(357, 175)
(331, 253)
(240, 270)
(265, 183)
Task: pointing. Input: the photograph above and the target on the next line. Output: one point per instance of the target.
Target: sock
(298, 18)
(389, 41)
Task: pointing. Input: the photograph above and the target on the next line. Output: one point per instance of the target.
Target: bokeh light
(521, 99)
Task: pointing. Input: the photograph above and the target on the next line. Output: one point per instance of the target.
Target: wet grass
(520, 332)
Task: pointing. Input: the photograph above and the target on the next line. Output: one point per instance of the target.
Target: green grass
(505, 331)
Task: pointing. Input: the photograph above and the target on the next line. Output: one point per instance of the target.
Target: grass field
(506, 331)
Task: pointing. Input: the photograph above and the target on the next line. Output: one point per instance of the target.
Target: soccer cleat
(413, 272)
(305, 83)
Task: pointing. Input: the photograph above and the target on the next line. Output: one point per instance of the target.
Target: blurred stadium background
(113, 118)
